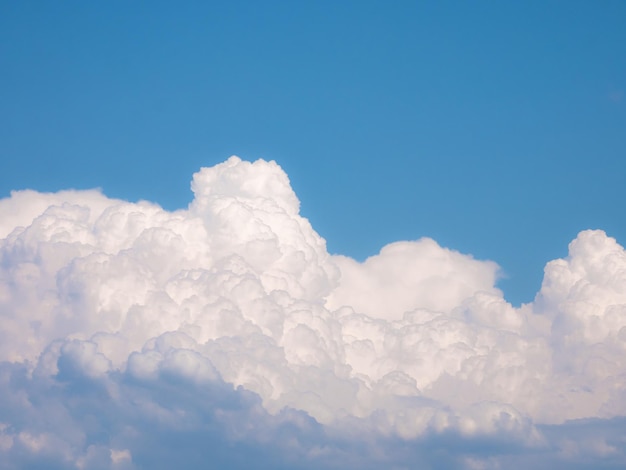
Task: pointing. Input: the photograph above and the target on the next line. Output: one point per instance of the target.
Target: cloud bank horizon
(129, 332)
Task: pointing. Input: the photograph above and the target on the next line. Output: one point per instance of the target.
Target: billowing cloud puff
(134, 337)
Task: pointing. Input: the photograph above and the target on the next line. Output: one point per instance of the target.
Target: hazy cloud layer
(224, 334)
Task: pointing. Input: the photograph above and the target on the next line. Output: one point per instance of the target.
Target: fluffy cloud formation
(134, 337)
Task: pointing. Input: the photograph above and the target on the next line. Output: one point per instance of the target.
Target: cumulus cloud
(134, 337)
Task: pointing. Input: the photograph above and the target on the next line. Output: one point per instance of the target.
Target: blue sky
(497, 129)
(130, 331)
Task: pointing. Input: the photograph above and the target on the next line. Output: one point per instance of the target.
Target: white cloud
(124, 326)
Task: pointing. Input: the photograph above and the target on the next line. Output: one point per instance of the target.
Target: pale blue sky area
(497, 128)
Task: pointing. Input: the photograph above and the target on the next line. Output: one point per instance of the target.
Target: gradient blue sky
(498, 129)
